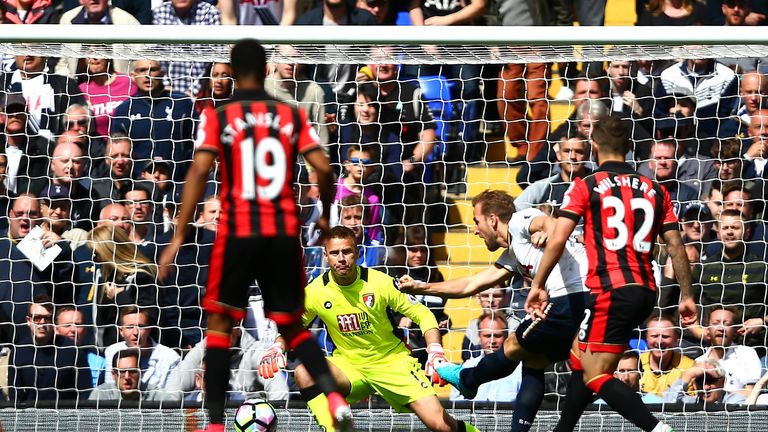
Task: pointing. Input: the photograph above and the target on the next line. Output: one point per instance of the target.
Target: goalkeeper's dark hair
(611, 136)
(248, 58)
(497, 202)
(341, 232)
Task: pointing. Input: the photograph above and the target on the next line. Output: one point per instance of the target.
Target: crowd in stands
(95, 152)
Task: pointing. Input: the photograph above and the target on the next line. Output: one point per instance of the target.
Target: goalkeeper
(355, 304)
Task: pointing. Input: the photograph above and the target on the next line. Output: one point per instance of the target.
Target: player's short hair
(249, 58)
(125, 353)
(341, 232)
(497, 202)
(611, 135)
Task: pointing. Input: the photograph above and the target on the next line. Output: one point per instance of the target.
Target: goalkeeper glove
(435, 359)
(272, 361)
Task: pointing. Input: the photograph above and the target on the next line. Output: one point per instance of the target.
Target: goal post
(456, 252)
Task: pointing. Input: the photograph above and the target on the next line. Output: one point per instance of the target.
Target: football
(256, 415)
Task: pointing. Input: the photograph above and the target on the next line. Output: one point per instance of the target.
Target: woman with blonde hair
(126, 277)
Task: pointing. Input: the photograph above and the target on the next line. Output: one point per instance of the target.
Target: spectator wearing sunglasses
(359, 172)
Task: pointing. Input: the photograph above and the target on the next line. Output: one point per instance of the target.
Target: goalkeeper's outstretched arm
(457, 288)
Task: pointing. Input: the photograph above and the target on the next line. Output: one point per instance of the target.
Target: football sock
(312, 357)
(461, 426)
(490, 368)
(577, 397)
(528, 399)
(627, 403)
(319, 407)
(216, 377)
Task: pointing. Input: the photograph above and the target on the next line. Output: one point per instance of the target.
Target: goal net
(417, 122)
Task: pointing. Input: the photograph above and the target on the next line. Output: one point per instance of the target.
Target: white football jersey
(523, 257)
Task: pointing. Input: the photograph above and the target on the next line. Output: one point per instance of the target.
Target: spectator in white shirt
(492, 332)
(740, 364)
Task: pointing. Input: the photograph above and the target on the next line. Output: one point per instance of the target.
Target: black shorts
(612, 316)
(275, 263)
(553, 336)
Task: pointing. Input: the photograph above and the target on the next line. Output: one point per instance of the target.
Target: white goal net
(99, 128)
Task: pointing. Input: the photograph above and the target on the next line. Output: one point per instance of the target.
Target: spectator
(289, 82)
(26, 152)
(467, 77)
(630, 99)
(672, 13)
(420, 265)
(663, 363)
(756, 150)
(184, 76)
(244, 363)
(353, 215)
(117, 155)
(156, 361)
(47, 95)
(248, 12)
(210, 212)
(127, 277)
(80, 127)
(30, 12)
(217, 86)
(127, 383)
(491, 333)
(66, 170)
(696, 223)
(44, 366)
(5, 198)
(663, 165)
(411, 141)
(93, 12)
(138, 201)
(753, 89)
(714, 86)
(157, 176)
(735, 277)
(702, 384)
(728, 160)
(140, 9)
(104, 89)
(739, 196)
(493, 301)
(70, 324)
(336, 12)
(629, 371)
(520, 87)
(379, 9)
(23, 281)
(739, 364)
(359, 167)
(160, 123)
(714, 201)
(573, 154)
(56, 209)
(736, 13)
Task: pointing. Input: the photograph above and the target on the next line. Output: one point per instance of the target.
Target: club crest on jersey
(369, 300)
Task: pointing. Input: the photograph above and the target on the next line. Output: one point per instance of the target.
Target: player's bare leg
(598, 378)
(316, 400)
(306, 348)
(217, 343)
(436, 418)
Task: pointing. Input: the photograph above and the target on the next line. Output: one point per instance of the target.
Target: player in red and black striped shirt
(623, 213)
(257, 140)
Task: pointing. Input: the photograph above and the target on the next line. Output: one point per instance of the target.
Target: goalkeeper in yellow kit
(355, 304)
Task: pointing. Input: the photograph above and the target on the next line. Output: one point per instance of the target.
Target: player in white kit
(536, 343)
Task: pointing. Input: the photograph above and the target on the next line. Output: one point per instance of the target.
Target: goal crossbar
(406, 44)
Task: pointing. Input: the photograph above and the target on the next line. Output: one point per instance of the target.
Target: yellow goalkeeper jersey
(358, 316)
